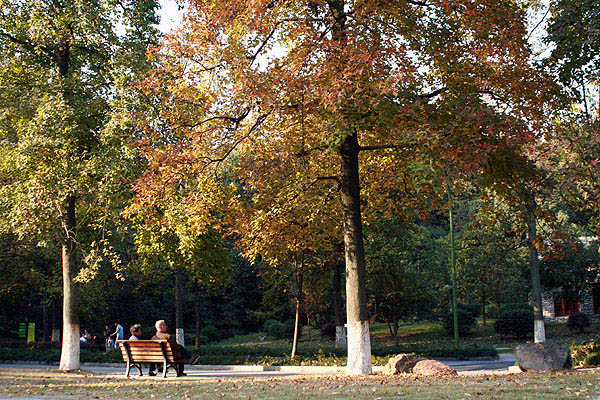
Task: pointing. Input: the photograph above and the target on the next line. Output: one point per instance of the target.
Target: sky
(170, 15)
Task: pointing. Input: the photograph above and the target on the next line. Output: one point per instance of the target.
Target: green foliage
(288, 329)
(517, 322)
(578, 322)
(212, 333)
(274, 329)
(573, 30)
(587, 354)
(473, 308)
(328, 330)
(508, 307)
(466, 321)
(52, 355)
(404, 259)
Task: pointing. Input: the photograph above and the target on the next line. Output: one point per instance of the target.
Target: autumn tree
(405, 77)
(64, 66)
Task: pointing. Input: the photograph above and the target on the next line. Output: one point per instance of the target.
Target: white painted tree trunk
(357, 313)
(69, 356)
(539, 333)
(359, 349)
(180, 336)
(340, 337)
(55, 336)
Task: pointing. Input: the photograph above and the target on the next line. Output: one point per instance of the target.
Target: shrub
(578, 322)
(508, 307)
(189, 338)
(288, 330)
(328, 330)
(518, 323)
(212, 333)
(491, 310)
(466, 322)
(274, 329)
(227, 333)
(587, 354)
(473, 308)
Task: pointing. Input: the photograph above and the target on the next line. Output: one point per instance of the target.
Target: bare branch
(28, 45)
(432, 94)
(386, 146)
(418, 3)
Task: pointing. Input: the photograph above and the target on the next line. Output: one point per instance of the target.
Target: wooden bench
(136, 352)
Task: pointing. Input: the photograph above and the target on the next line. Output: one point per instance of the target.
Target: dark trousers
(183, 353)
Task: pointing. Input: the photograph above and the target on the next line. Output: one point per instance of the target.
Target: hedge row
(277, 354)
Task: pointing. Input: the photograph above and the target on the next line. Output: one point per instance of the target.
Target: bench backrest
(154, 351)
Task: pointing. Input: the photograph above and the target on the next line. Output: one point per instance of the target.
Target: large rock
(432, 368)
(401, 363)
(543, 356)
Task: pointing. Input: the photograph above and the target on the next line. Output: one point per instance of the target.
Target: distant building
(558, 309)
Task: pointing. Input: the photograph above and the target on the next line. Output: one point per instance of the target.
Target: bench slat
(139, 343)
(147, 351)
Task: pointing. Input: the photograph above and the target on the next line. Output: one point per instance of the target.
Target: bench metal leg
(128, 369)
(165, 367)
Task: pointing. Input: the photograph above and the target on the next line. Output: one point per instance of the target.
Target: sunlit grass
(555, 385)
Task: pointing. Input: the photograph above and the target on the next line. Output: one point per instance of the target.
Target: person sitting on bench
(179, 352)
(136, 334)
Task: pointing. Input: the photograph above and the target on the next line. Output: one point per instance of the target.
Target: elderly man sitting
(178, 350)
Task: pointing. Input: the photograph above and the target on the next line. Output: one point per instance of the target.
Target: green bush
(274, 329)
(190, 339)
(508, 307)
(50, 355)
(578, 322)
(466, 322)
(587, 354)
(212, 333)
(517, 323)
(473, 308)
(491, 310)
(263, 354)
(288, 329)
(328, 330)
(203, 340)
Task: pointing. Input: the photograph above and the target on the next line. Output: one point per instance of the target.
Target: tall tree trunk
(483, 300)
(359, 342)
(338, 306)
(299, 284)
(45, 321)
(536, 287)
(69, 357)
(179, 332)
(197, 314)
(56, 321)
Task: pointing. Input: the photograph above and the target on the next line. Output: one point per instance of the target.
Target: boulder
(543, 356)
(433, 368)
(401, 363)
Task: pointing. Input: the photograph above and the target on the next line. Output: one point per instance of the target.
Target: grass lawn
(432, 334)
(556, 385)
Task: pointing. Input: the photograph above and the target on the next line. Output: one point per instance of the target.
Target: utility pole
(453, 263)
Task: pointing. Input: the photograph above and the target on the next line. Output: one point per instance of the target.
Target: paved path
(195, 372)
(504, 361)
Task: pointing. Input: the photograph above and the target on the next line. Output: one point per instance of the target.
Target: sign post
(31, 332)
(22, 330)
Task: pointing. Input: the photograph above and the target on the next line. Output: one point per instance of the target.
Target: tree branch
(28, 45)
(432, 94)
(385, 146)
